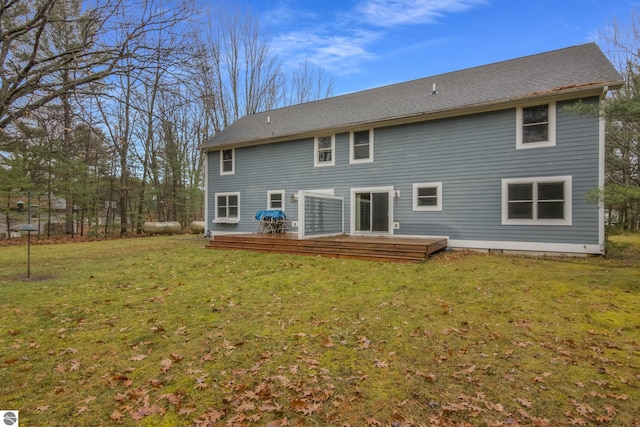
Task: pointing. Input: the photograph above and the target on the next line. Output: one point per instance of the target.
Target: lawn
(160, 332)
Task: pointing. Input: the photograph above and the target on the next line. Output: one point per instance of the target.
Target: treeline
(621, 192)
(104, 105)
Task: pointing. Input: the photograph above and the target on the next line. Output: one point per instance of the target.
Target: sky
(363, 44)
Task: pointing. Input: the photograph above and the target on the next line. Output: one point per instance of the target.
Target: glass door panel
(372, 212)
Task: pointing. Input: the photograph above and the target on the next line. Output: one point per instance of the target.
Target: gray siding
(470, 155)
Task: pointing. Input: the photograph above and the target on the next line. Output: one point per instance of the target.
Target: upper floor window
(324, 149)
(275, 200)
(427, 196)
(361, 146)
(541, 201)
(227, 207)
(536, 126)
(227, 162)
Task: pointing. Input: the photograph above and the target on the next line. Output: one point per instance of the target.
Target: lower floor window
(275, 200)
(543, 201)
(227, 206)
(427, 196)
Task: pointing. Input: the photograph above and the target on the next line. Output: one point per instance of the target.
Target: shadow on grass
(24, 278)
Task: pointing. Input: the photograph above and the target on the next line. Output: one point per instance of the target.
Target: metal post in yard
(28, 228)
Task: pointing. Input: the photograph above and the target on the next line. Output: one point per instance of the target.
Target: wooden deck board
(398, 249)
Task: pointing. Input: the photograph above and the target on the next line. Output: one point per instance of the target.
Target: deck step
(376, 249)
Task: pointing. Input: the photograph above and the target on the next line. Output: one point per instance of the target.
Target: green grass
(158, 331)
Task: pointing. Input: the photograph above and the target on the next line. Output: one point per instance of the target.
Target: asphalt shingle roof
(574, 68)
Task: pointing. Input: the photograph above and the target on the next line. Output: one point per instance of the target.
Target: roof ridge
(574, 68)
(497, 63)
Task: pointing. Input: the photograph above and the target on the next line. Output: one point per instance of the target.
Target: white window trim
(352, 150)
(327, 191)
(568, 196)
(438, 186)
(520, 145)
(269, 193)
(319, 164)
(226, 220)
(233, 162)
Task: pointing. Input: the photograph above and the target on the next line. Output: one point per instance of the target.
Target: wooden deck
(397, 249)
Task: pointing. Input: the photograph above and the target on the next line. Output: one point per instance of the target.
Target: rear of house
(495, 157)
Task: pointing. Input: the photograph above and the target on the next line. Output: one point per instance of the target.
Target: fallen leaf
(270, 407)
(430, 376)
(584, 408)
(327, 342)
(117, 416)
(88, 400)
(365, 343)
(381, 364)
(619, 396)
(246, 407)
(297, 405)
(82, 409)
(145, 411)
(494, 406)
(187, 410)
(165, 365)
(524, 402)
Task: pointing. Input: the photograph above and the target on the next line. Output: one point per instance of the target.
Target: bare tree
(103, 35)
(307, 83)
(622, 187)
(236, 72)
(127, 107)
(130, 70)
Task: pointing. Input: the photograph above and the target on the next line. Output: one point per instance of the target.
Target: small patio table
(271, 221)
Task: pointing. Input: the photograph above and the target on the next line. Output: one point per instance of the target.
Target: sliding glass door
(371, 211)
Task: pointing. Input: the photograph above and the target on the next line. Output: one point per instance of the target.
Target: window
(541, 201)
(227, 207)
(361, 146)
(427, 196)
(536, 126)
(324, 148)
(227, 162)
(275, 200)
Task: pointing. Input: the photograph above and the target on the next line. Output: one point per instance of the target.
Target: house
(494, 157)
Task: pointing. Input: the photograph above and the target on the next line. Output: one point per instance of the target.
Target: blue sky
(370, 43)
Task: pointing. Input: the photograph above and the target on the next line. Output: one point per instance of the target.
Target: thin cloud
(339, 54)
(389, 13)
(342, 44)
(283, 13)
